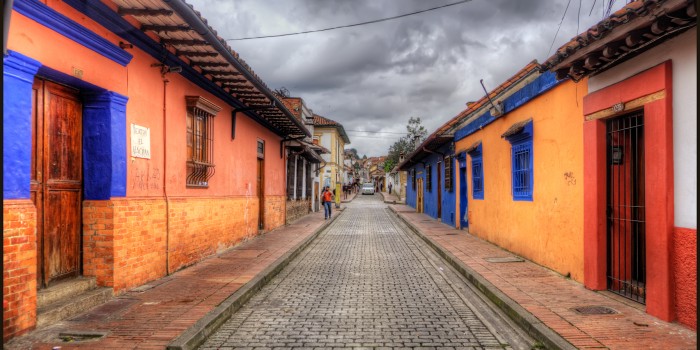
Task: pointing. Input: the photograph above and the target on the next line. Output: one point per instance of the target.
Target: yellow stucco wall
(337, 158)
(549, 229)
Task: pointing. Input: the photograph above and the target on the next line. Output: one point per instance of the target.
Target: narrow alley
(368, 282)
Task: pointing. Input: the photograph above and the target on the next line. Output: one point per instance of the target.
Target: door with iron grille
(626, 270)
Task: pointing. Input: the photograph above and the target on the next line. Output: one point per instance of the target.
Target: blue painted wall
(463, 190)
(543, 83)
(18, 77)
(430, 195)
(104, 131)
(449, 199)
(410, 192)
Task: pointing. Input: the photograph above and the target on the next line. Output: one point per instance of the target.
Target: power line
(379, 132)
(376, 137)
(557, 33)
(351, 25)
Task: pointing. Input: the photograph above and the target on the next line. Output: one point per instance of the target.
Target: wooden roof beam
(228, 80)
(144, 12)
(218, 73)
(196, 54)
(164, 28)
(185, 42)
(203, 64)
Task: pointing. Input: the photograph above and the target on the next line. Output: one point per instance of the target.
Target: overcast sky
(374, 77)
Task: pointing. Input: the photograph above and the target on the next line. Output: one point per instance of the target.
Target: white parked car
(368, 188)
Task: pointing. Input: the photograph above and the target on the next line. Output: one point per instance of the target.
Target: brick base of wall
(19, 267)
(297, 209)
(275, 211)
(128, 242)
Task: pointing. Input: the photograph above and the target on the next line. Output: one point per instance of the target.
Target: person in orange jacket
(327, 200)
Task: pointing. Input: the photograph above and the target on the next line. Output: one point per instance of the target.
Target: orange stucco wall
(143, 85)
(547, 230)
(161, 225)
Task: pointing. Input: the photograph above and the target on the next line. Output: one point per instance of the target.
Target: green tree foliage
(407, 144)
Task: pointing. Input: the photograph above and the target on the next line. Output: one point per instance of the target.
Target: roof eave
(189, 15)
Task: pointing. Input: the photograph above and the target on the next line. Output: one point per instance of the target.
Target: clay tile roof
(200, 50)
(637, 27)
(516, 128)
(323, 121)
(473, 146)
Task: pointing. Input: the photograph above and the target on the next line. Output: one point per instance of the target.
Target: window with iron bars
(522, 171)
(448, 173)
(200, 140)
(520, 136)
(413, 179)
(429, 178)
(477, 173)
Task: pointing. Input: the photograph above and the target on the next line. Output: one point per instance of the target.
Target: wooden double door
(57, 180)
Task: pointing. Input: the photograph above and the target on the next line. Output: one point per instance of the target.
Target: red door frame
(658, 148)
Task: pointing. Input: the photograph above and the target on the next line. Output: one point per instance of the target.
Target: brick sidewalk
(151, 316)
(550, 297)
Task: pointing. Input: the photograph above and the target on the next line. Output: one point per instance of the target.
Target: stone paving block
(363, 283)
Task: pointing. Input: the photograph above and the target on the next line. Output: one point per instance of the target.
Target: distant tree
(353, 152)
(416, 132)
(407, 144)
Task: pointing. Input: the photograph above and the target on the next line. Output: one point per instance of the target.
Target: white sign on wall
(140, 141)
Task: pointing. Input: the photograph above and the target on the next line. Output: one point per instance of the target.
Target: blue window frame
(520, 137)
(522, 171)
(477, 172)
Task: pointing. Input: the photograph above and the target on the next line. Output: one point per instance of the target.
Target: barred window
(413, 179)
(448, 173)
(520, 136)
(477, 170)
(522, 171)
(200, 140)
(429, 178)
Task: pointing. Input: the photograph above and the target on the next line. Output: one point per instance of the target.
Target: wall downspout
(165, 177)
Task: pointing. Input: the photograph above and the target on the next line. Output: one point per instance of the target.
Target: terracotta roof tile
(635, 28)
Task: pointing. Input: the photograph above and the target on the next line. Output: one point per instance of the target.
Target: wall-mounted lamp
(167, 69)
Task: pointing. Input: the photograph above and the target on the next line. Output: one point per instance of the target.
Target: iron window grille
(413, 179)
(477, 173)
(200, 140)
(448, 174)
(522, 177)
(429, 178)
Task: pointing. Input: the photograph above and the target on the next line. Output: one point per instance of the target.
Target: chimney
(401, 156)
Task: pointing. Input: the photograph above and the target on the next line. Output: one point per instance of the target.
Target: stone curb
(196, 334)
(533, 326)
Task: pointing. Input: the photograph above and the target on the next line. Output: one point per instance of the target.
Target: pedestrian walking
(327, 200)
(390, 185)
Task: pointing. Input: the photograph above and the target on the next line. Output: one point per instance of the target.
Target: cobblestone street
(367, 283)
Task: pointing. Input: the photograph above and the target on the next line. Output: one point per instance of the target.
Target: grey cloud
(375, 77)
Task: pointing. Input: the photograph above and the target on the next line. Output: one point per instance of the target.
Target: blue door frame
(463, 222)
